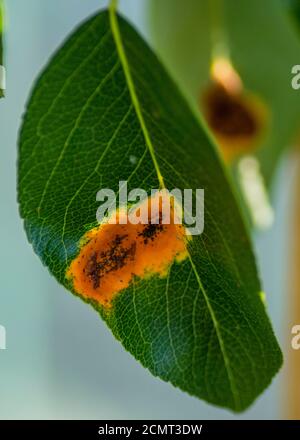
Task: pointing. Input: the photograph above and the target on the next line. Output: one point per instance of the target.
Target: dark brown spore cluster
(104, 262)
(150, 232)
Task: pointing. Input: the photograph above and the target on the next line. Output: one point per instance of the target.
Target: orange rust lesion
(113, 255)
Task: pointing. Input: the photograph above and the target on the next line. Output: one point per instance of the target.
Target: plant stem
(113, 5)
(219, 41)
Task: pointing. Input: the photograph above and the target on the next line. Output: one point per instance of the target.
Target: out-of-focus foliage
(293, 6)
(262, 46)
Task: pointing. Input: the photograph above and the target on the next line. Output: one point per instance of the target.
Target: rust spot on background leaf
(236, 117)
(112, 255)
(229, 115)
(237, 120)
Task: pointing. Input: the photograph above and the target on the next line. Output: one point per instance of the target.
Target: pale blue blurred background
(61, 361)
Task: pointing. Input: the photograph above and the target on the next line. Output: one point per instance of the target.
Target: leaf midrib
(120, 49)
(135, 101)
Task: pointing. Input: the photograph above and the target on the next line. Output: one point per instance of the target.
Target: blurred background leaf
(262, 45)
(293, 6)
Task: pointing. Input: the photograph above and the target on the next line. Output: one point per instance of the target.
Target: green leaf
(103, 100)
(2, 73)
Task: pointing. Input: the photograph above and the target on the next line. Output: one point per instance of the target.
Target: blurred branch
(293, 356)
